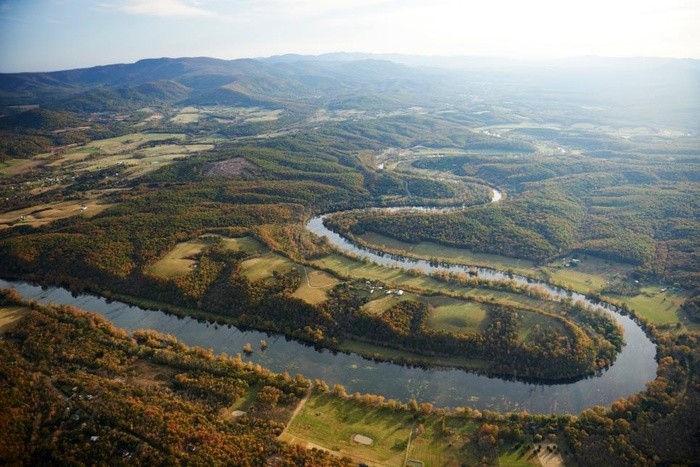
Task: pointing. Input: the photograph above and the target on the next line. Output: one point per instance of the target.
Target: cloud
(165, 8)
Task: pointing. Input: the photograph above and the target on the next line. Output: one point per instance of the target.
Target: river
(633, 368)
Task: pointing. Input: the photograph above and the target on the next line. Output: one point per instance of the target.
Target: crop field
(429, 250)
(314, 285)
(131, 154)
(458, 316)
(384, 302)
(187, 115)
(348, 267)
(590, 275)
(241, 114)
(447, 314)
(529, 320)
(180, 260)
(331, 423)
(265, 265)
(17, 166)
(36, 216)
(658, 304)
(9, 315)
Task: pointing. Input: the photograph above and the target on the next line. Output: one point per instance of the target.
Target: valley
(419, 252)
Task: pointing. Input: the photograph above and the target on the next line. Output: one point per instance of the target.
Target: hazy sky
(59, 34)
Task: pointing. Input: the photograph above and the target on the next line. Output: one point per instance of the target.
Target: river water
(633, 368)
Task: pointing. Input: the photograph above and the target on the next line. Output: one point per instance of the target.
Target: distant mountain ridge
(194, 79)
(669, 88)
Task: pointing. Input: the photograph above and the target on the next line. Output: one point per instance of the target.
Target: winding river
(633, 368)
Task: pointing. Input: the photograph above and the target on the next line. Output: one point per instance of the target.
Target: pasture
(330, 422)
(348, 267)
(457, 316)
(429, 250)
(9, 315)
(181, 259)
(446, 313)
(42, 214)
(657, 303)
(265, 265)
(314, 285)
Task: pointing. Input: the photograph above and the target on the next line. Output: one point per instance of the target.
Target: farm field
(446, 314)
(180, 260)
(330, 423)
(314, 285)
(656, 303)
(9, 315)
(590, 276)
(458, 316)
(429, 250)
(43, 214)
(397, 278)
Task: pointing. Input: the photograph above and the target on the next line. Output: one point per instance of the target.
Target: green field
(590, 275)
(429, 250)
(330, 423)
(399, 278)
(529, 320)
(186, 115)
(659, 307)
(517, 457)
(314, 285)
(36, 216)
(123, 153)
(457, 316)
(265, 265)
(180, 260)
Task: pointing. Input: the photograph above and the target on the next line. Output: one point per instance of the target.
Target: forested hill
(203, 80)
(662, 91)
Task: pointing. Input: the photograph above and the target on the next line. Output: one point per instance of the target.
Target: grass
(36, 216)
(384, 302)
(529, 320)
(435, 448)
(428, 250)
(398, 278)
(331, 422)
(457, 316)
(122, 153)
(591, 275)
(656, 306)
(186, 115)
(314, 285)
(447, 314)
(180, 260)
(511, 456)
(265, 265)
(9, 315)
(14, 166)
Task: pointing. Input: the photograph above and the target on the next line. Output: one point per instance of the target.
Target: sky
(45, 35)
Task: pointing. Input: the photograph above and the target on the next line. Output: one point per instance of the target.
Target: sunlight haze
(60, 34)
